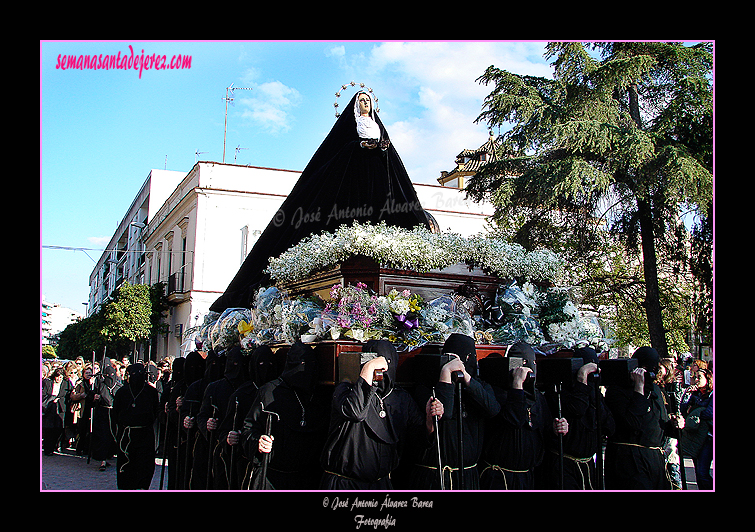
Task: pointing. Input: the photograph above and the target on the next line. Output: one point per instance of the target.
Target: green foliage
(127, 316)
(552, 308)
(48, 351)
(620, 125)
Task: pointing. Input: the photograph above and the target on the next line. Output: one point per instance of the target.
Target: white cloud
(430, 111)
(269, 105)
(336, 51)
(99, 240)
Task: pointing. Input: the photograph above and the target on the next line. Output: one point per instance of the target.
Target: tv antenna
(197, 154)
(229, 97)
(238, 149)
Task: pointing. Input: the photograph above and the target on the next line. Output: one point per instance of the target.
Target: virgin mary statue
(355, 174)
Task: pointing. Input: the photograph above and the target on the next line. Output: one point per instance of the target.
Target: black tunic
(214, 405)
(514, 440)
(634, 453)
(106, 385)
(198, 445)
(479, 404)
(342, 182)
(362, 448)
(298, 431)
(580, 444)
(193, 371)
(135, 412)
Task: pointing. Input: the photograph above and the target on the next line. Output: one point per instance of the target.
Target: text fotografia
(123, 61)
(359, 505)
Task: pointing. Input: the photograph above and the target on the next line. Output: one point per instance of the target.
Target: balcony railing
(176, 283)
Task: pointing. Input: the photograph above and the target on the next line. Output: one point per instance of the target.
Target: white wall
(216, 205)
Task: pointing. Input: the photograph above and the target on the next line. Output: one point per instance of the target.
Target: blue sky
(102, 131)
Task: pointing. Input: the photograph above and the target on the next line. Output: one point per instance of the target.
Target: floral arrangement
(224, 334)
(354, 313)
(517, 312)
(405, 307)
(417, 249)
(577, 331)
(543, 317)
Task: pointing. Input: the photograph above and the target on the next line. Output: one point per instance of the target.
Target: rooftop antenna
(197, 154)
(229, 97)
(238, 149)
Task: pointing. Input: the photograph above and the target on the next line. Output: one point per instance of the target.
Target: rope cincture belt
(502, 470)
(447, 468)
(127, 435)
(659, 449)
(638, 445)
(356, 479)
(579, 462)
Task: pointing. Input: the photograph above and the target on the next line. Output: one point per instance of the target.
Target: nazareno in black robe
(135, 408)
(479, 404)
(363, 448)
(342, 182)
(634, 453)
(515, 438)
(233, 464)
(298, 427)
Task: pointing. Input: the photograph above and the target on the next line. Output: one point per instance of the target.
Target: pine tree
(627, 124)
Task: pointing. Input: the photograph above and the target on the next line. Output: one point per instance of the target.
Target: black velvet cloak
(342, 182)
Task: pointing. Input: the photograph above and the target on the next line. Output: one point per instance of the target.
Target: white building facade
(198, 237)
(123, 258)
(55, 319)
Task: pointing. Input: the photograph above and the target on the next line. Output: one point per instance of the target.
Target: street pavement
(67, 472)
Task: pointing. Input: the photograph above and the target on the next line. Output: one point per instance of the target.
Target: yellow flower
(245, 328)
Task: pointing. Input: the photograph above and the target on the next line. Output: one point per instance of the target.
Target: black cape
(342, 182)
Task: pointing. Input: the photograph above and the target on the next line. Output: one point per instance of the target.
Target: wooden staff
(210, 451)
(268, 431)
(233, 447)
(437, 439)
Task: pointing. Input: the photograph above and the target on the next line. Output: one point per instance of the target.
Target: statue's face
(364, 104)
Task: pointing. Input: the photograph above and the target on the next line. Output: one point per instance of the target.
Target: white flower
(417, 249)
(358, 335)
(400, 306)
